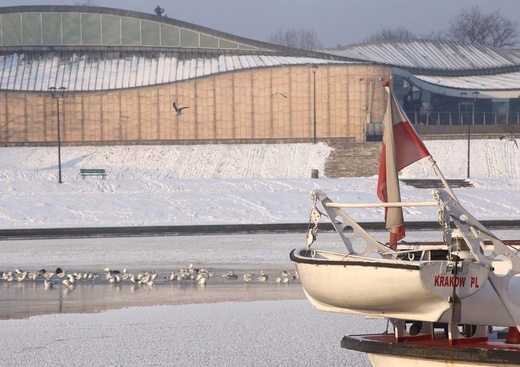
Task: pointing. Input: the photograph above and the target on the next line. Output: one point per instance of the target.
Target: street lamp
(314, 69)
(475, 95)
(466, 106)
(58, 93)
(463, 96)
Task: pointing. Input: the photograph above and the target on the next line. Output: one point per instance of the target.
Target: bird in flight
(178, 110)
(278, 94)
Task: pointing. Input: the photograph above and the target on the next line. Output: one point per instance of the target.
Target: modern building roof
(445, 67)
(435, 57)
(84, 72)
(95, 48)
(504, 82)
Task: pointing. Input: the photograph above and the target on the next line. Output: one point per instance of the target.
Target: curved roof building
(446, 65)
(94, 48)
(122, 70)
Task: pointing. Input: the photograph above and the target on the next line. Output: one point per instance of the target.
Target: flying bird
(178, 110)
(278, 94)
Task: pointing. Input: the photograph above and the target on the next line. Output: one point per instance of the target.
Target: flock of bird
(188, 275)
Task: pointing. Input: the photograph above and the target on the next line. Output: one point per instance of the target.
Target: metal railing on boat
(381, 205)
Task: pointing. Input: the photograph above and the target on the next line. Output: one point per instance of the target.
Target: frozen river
(227, 322)
(161, 255)
(218, 254)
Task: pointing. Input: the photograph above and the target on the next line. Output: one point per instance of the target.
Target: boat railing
(381, 205)
(356, 239)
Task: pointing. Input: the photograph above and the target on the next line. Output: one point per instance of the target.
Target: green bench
(92, 172)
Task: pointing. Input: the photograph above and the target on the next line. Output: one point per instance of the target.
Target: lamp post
(475, 94)
(469, 122)
(463, 96)
(57, 93)
(314, 69)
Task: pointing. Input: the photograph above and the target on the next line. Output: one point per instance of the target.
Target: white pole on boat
(441, 177)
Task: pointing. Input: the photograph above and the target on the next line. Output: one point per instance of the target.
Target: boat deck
(493, 352)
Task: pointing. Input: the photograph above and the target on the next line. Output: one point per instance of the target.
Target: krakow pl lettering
(454, 281)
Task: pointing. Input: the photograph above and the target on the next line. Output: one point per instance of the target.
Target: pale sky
(334, 21)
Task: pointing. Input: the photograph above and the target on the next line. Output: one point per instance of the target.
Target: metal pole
(314, 68)
(472, 121)
(57, 93)
(59, 140)
(469, 139)
(465, 117)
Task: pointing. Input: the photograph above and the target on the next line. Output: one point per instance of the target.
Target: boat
(452, 302)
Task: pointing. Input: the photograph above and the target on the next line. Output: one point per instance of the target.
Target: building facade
(121, 71)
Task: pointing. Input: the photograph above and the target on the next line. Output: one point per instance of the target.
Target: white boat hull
(398, 289)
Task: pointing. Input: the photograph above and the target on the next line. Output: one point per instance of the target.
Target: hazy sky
(334, 21)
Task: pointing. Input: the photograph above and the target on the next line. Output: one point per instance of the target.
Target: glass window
(11, 25)
(169, 36)
(111, 26)
(51, 29)
(228, 44)
(31, 29)
(91, 26)
(246, 47)
(208, 41)
(71, 28)
(150, 33)
(189, 38)
(131, 31)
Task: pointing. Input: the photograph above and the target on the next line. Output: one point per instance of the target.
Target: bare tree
(434, 35)
(304, 39)
(86, 3)
(284, 38)
(493, 29)
(309, 40)
(391, 34)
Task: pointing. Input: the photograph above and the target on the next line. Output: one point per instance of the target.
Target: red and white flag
(401, 147)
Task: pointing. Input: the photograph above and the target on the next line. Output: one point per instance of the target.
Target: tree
(159, 11)
(86, 3)
(391, 34)
(434, 35)
(493, 29)
(304, 39)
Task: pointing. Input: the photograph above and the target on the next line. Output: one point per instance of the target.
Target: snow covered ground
(227, 184)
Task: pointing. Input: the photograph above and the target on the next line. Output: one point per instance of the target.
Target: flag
(401, 147)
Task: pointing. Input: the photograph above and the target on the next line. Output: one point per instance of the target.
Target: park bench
(92, 172)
